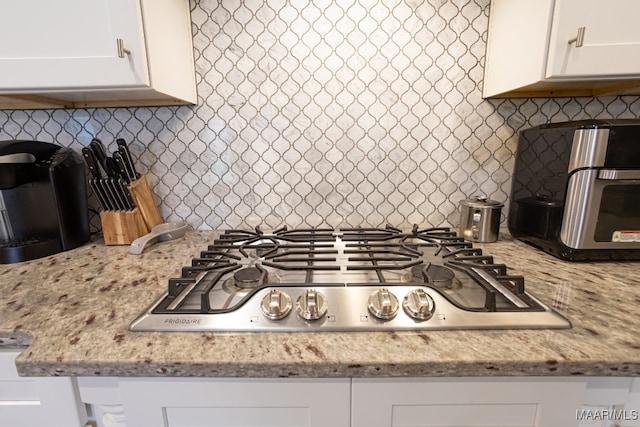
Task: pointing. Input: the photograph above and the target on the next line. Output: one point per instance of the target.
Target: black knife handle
(90, 158)
(125, 174)
(112, 167)
(100, 155)
(126, 155)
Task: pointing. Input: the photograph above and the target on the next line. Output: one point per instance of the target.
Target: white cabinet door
(611, 43)
(31, 402)
(529, 54)
(65, 44)
(611, 402)
(236, 402)
(468, 402)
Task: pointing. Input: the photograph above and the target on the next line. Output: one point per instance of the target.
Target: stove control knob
(276, 305)
(418, 304)
(311, 305)
(383, 304)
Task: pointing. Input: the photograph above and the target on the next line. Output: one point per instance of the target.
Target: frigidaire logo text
(179, 321)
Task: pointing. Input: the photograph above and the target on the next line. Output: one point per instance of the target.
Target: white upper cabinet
(96, 53)
(562, 48)
(609, 42)
(79, 50)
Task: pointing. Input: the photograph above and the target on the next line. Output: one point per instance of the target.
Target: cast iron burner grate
(346, 279)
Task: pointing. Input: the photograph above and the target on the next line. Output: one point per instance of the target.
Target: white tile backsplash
(316, 113)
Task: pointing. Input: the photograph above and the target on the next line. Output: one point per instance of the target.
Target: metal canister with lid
(480, 219)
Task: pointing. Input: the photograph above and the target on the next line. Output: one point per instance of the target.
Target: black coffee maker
(43, 200)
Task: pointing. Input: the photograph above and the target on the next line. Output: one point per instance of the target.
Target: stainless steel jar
(480, 219)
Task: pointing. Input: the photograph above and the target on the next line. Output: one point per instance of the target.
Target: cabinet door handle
(579, 38)
(121, 49)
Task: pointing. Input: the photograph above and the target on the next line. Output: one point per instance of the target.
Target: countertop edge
(549, 368)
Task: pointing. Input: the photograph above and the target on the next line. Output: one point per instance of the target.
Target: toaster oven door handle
(619, 174)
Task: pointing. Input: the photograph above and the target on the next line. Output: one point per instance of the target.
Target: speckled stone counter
(70, 313)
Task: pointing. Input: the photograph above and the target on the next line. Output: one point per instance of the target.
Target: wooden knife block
(123, 227)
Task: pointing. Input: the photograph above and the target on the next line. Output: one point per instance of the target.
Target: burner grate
(254, 278)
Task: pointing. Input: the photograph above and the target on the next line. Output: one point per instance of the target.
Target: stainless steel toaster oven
(576, 189)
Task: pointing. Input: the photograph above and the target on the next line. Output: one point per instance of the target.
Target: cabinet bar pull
(579, 38)
(121, 49)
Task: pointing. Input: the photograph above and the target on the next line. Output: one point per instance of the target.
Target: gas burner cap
(248, 277)
(435, 275)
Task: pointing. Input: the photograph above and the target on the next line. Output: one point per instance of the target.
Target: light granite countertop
(70, 313)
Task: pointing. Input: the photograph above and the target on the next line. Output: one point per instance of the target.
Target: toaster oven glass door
(602, 210)
(619, 214)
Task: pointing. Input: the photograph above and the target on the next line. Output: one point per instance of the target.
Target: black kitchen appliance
(43, 200)
(576, 189)
(347, 279)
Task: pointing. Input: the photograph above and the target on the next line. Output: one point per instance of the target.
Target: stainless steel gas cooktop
(358, 279)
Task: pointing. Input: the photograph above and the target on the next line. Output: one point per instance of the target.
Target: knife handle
(123, 148)
(125, 174)
(99, 154)
(91, 161)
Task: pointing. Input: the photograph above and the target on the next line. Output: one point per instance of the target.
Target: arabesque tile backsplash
(335, 113)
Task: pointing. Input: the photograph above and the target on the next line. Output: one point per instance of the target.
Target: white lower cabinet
(364, 402)
(503, 402)
(37, 401)
(467, 402)
(229, 402)
(611, 402)
(316, 402)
